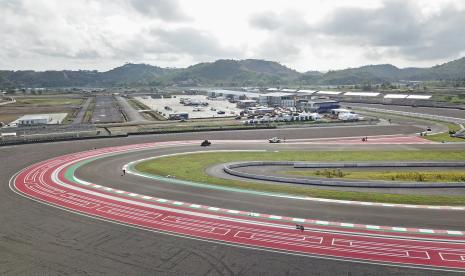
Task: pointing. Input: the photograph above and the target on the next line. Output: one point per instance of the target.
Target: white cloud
(306, 35)
(168, 10)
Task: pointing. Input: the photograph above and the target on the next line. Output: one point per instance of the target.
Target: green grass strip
(192, 168)
(403, 175)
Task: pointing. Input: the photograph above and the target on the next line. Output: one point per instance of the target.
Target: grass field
(440, 137)
(6, 118)
(39, 105)
(48, 101)
(445, 137)
(192, 167)
(419, 176)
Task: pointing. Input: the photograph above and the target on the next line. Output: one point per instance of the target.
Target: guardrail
(230, 169)
(43, 138)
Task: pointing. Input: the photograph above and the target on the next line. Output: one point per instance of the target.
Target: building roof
(34, 117)
(329, 92)
(323, 101)
(235, 93)
(247, 101)
(276, 94)
(51, 118)
(306, 91)
(395, 96)
(289, 90)
(362, 94)
(419, 97)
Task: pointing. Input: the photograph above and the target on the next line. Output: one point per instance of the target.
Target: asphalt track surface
(39, 239)
(106, 168)
(448, 112)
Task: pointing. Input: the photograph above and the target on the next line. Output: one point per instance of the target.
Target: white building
(277, 99)
(39, 119)
(33, 120)
(286, 90)
(236, 95)
(322, 106)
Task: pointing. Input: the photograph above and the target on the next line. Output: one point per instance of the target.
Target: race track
(101, 192)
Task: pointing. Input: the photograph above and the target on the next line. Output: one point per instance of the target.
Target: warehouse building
(39, 119)
(246, 103)
(277, 99)
(320, 106)
(231, 94)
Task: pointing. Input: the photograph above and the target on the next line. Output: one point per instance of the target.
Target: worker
(124, 172)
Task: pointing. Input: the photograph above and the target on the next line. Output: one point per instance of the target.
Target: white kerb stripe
(399, 229)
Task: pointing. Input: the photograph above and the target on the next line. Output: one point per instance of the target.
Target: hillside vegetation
(249, 72)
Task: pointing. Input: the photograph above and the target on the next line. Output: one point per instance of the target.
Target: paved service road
(132, 114)
(105, 110)
(39, 239)
(82, 112)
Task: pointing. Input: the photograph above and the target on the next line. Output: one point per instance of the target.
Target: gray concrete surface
(105, 110)
(82, 112)
(132, 114)
(36, 239)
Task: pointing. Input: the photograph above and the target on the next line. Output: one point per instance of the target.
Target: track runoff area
(53, 182)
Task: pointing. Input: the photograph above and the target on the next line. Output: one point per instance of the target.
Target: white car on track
(275, 140)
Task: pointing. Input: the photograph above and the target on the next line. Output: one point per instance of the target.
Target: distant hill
(225, 72)
(450, 70)
(372, 73)
(236, 73)
(389, 73)
(133, 73)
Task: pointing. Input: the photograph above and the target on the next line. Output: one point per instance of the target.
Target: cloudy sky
(302, 34)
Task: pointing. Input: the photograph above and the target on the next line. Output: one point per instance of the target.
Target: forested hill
(249, 72)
